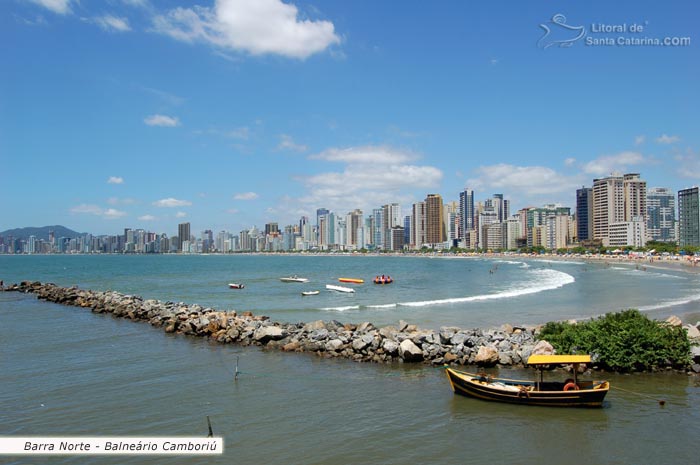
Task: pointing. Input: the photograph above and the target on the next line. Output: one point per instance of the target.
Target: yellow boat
(351, 280)
(569, 393)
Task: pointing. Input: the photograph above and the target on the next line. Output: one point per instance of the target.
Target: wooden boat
(310, 293)
(294, 279)
(333, 287)
(569, 393)
(236, 285)
(351, 280)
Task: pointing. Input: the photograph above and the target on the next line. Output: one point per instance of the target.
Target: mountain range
(40, 232)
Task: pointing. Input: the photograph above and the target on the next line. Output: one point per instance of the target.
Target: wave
(671, 303)
(540, 280)
(341, 309)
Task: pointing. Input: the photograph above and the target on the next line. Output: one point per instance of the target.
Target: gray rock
(390, 347)
(410, 352)
(334, 345)
(269, 333)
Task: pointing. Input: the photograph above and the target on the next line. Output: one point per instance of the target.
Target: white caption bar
(17, 445)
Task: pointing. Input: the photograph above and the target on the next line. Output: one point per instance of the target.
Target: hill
(40, 232)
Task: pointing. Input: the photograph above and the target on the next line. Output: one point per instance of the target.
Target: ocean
(65, 371)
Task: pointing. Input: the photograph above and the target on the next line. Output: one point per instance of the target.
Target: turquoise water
(67, 371)
(428, 292)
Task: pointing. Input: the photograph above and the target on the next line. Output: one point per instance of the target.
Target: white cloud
(370, 154)
(666, 139)
(147, 218)
(246, 196)
(90, 209)
(257, 27)
(287, 143)
(115, 180)
(522, 181)
(606, 164)
(171, 203)
(162, 120)
(232, 211)
(61, 7)
(371, 175)
(112, 214)
(639, 140)
(570, 161)
(180, 215)
(112, 23)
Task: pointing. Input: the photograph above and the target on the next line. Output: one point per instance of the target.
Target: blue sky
(231, 114)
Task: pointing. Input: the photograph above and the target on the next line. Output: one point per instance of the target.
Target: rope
(660, 401)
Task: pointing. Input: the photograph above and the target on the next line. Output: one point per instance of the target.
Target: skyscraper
(689, 217)
(183, 234)
(466, 212)
(434, 225)
(661, 214)
(584, 213)
(617, 199)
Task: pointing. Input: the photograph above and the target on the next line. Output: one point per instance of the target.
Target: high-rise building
(584, 213)
(466, 212)
(183, 234)
(689, 217)
(635, 190)
(661, 214)
(354, 223)
(617, 199)
(418, 225)
(608, 206)
(434, 225)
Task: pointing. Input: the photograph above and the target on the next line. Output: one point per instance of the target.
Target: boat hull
(332, 287)
(473, 385)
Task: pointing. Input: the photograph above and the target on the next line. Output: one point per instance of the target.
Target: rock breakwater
(508, 345)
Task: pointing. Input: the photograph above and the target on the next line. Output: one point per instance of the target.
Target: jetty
(403, 343)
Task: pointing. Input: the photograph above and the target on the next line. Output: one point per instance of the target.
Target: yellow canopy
(557, 359)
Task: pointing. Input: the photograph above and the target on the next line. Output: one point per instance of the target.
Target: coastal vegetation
(623, 341)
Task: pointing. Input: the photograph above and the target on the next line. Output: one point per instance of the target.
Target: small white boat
(333, 287)
(294, 279)
(236, 285)
(310, 292)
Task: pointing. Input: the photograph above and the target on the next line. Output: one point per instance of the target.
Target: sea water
(66, 371)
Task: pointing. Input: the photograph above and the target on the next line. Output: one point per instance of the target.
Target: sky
(230, 114)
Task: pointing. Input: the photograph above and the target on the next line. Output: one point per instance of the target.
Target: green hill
(40, 232)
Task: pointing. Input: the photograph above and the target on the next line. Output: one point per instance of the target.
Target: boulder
(673, 320)
(543, 348)
(410, 352)
(486, 356)
(390, 347)
(693, 332)
(334, 345)
(314, 326)
(269, 333)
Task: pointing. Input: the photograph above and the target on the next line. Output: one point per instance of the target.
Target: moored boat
(236, 285)
(571, 392)
(294, 279)
(305, 293)
(333, 287)
(351, 280)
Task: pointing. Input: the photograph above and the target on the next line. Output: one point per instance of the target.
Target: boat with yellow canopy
(572, 392)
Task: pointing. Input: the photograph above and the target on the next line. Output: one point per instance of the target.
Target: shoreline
(507, 346)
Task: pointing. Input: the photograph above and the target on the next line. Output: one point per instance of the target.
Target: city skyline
(138, 113)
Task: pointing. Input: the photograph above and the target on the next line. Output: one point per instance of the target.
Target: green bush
(623, 341)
